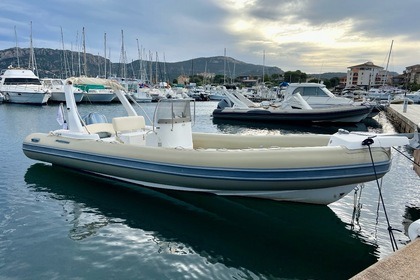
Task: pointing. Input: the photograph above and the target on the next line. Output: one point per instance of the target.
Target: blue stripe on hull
(218, 173)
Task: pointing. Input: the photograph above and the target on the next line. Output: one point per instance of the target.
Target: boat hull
(59, 96)
(343, 114)
(98, 97)
(319, 175)
(26, 98)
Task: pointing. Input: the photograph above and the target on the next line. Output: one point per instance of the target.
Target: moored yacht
(56, 88)
(22, 86)
(318, 96)
(95, 90)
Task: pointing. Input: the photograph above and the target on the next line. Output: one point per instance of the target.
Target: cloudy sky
(311, 36)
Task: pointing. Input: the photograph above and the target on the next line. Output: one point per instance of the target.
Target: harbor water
(57, 223)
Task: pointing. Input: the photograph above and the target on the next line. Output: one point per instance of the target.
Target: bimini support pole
(74, 123)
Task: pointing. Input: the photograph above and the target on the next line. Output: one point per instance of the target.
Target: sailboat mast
(32, 61)
(123, 58)
(150, 67)
(105, 55)
(71, 60)
(224, 68)
(110, 63)
(64, 55)
(263, 72)
(17, 49)
(140, 61)
(387, 63)
(165, 76)
(84, 53)
(79, 68)
(156, 72)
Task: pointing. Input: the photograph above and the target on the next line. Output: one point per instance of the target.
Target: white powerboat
(292, 109)
(316, 95)
(414, 96)
(56, 88)
(22, 86)
(317, 169)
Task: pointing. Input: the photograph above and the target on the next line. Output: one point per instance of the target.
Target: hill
(51, 63)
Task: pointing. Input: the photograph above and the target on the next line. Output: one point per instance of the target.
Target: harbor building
(412, 74)
(366, 75)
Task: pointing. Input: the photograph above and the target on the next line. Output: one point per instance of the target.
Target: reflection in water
(259, 237)
(234, 126)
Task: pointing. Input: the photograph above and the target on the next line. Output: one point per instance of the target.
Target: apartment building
(366, 75)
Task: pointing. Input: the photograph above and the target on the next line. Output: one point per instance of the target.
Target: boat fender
(414, 230)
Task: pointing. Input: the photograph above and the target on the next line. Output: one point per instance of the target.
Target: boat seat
(102, 129)
(128, 124)
(130, 130)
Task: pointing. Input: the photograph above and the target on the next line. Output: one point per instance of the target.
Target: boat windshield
(172, 109)
(311, 91)
(22, 81)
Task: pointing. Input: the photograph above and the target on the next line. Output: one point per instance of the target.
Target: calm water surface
(61, 224)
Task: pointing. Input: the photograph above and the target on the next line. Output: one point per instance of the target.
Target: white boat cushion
(102, 129)
(130, 123)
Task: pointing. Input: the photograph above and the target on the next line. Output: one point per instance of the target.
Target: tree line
(271, 80)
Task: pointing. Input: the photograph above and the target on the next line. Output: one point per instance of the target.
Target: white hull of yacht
(25, 96)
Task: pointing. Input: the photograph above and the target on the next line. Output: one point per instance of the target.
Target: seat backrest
(130, 123)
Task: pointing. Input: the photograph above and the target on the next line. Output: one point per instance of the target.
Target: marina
(210, 140)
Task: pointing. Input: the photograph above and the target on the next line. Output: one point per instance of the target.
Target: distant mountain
(50, 63)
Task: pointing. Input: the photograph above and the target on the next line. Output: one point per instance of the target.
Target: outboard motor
(94, 117)
(224, 103)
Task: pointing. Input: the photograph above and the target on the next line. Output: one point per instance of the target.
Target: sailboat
(96, 90)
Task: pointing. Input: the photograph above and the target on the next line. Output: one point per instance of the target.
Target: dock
(404, 122)
(404, 263)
